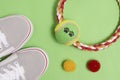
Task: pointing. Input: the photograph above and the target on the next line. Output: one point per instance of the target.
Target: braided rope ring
(79, 45)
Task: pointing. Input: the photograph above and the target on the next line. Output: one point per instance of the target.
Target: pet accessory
(67, 32)
(69, 65)
(93, 65)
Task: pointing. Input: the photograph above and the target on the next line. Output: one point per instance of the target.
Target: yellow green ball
(67, 32)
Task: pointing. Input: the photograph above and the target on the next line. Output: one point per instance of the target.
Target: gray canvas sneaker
(26, 64)
(15, 31)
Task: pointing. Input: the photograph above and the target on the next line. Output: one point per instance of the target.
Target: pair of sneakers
(25, 64)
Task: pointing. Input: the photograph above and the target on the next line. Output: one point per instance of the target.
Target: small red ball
(93, 65)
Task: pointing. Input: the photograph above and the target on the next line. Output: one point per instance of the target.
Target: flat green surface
(97, 20)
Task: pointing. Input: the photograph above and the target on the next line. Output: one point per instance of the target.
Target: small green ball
(67, 32)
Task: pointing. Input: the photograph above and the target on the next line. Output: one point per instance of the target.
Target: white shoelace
(16, 73)
(3, 40)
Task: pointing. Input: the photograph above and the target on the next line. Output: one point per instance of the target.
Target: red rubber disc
(93, 65)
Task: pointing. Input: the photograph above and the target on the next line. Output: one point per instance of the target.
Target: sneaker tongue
(11, 58)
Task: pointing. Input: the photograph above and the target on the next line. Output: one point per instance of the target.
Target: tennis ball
(67, 32)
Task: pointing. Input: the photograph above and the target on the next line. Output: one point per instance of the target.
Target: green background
(97, 19)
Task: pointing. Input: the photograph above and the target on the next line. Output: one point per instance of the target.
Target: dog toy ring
(67, 32)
